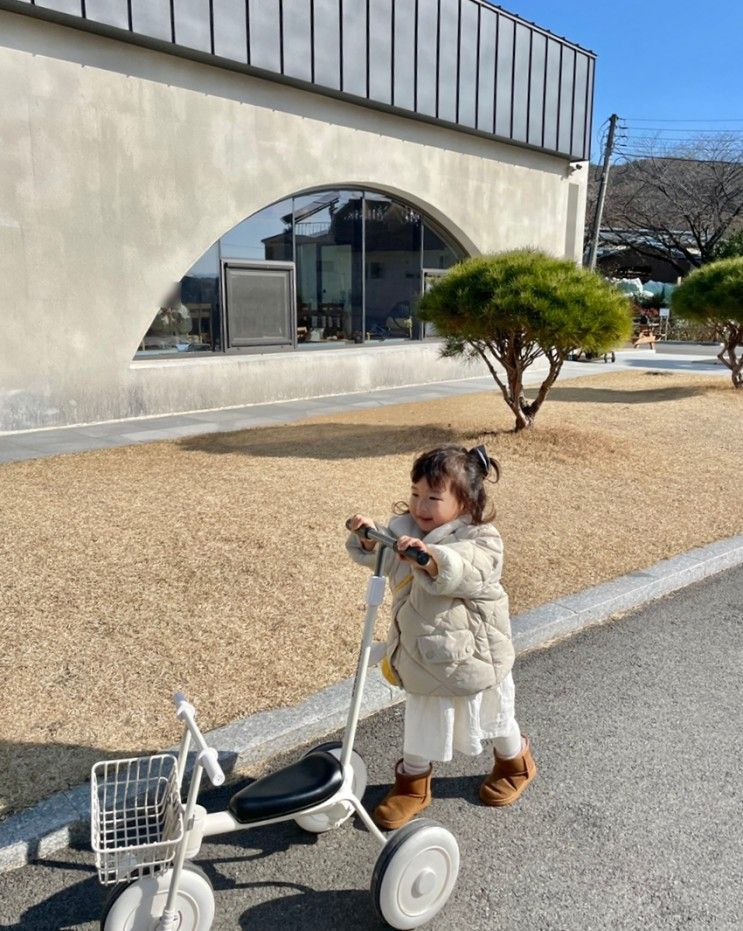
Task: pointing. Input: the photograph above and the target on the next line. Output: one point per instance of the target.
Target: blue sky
(658, 60)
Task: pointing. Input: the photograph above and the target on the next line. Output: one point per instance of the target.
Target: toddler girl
(449, 644)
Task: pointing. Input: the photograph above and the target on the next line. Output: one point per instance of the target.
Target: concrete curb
(63, 819)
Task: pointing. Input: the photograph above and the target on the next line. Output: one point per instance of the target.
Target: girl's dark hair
(466, 470)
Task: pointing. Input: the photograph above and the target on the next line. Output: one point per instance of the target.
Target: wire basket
(136, 816)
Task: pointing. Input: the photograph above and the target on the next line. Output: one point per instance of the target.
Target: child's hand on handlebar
(358, 521)
(404, 543)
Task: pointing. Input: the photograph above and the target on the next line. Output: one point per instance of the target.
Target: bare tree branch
(679, 203)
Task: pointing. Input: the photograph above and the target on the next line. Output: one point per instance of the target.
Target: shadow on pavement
(306, 908)
(69, 907)
(80, 902)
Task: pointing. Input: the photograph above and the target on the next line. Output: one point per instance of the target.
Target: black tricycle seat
(309, 781)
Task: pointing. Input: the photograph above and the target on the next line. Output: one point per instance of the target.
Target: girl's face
(433, 507)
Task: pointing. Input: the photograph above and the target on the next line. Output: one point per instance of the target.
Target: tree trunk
(516, 399)
(525, 412)
(555, 360)
(512, 388)
(523, 420)
(732, 337)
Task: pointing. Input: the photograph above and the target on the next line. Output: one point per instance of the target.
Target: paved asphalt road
(634, 821)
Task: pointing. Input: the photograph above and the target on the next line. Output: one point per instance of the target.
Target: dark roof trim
(467, 64)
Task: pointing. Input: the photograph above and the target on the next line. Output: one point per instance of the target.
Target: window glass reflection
(393, 268)
(436, 252)
(360, 261)
(329, 237)
(266, 236)
(188, 319)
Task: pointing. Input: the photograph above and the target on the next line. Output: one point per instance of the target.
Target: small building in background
(640, 254)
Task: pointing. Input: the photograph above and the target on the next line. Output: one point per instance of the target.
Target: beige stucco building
(300, 212)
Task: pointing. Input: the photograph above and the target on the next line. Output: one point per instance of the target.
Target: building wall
(121, 165)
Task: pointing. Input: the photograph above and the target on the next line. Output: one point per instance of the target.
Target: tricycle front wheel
(138, 905)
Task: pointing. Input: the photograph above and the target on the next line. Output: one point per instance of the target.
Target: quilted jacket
(450, 635)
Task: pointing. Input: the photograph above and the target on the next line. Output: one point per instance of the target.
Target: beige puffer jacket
(450, 635)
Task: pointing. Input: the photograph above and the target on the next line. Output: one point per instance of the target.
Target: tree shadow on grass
(322, 441)
(706, 366)
(653, 394)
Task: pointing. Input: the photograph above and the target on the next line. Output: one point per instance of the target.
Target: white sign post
(665, 313)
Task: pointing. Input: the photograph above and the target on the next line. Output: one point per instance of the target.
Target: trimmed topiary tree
(713, 295)
(512, 308)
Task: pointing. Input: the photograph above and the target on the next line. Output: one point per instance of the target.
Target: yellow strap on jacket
(389, 673)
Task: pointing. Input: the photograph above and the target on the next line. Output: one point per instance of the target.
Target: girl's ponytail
(485, 462)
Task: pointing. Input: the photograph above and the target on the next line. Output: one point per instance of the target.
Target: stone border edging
(572, 613)
(63, 818)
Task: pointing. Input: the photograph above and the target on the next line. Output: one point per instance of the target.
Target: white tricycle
(144, 836)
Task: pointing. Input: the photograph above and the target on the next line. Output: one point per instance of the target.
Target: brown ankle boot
(409, 796)
(509, 778)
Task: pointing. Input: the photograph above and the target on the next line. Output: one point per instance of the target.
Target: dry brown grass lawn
(217, 565)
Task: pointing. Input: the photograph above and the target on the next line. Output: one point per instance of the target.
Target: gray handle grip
(368, 533)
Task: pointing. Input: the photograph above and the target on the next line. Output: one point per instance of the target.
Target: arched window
(330, 268)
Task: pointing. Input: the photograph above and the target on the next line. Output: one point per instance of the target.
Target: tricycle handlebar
(369, 533)
(206, 756)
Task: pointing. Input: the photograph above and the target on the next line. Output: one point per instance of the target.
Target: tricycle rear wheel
(415, 874)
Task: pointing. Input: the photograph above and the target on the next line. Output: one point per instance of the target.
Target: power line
(674, 141)
(668, 158)
(647, 130)
(662, 145)
(637, 119)
(677, 142)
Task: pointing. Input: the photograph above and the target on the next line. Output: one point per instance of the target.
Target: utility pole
(602, 192)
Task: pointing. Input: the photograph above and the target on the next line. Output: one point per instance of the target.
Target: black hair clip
(486, 463)
(482, 457)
